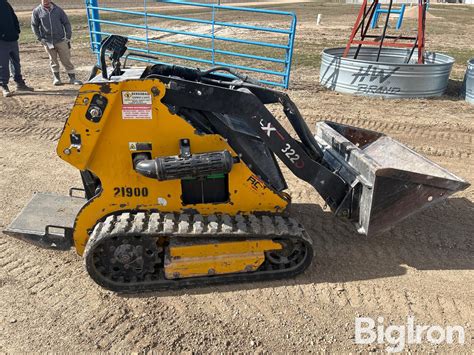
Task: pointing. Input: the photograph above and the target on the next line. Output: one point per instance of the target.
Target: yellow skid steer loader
(182, 184)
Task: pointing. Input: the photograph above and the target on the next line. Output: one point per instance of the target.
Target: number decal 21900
(130, 191)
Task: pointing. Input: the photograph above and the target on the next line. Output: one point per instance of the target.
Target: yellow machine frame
(217, 258)
(106, 150)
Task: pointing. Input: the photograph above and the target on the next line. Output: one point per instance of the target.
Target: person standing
(52, 28)
(9, 50)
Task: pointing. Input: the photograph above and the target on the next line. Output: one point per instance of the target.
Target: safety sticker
(136, 105)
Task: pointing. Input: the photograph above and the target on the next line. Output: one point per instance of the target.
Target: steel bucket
(389, 181)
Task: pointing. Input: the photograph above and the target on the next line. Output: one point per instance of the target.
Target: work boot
(57, 79)
(21, 86)
(73, 80)
(6, 91)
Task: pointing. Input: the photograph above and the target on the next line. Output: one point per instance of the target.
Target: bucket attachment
(388, 180)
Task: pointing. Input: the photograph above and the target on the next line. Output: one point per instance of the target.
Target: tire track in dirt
(35, 277)
(450, 143)
(440, 152)
(413, 130)
(43, 133)
(20, 271)
(212, 311)
(34, 109)
(336, 243)
(402, 244)
(58, 286)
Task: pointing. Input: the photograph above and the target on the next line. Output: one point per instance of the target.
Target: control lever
(117, 45)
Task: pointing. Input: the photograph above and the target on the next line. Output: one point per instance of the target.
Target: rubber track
(218, 227)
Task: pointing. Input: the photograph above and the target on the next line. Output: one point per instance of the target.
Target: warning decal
(136, 105)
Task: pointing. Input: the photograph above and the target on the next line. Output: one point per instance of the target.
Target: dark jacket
(9, 25)
(51, 26)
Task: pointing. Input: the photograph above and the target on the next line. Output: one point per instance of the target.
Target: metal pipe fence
(257, 41)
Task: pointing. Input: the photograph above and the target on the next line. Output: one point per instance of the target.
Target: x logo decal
(268, 129)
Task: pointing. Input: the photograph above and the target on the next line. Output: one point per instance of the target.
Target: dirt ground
(422, 268)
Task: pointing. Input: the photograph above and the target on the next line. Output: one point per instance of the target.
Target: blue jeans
(10, 61)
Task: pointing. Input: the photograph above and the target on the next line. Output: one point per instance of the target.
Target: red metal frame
(421, 30)
(362, 23)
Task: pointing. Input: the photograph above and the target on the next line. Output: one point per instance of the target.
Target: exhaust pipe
(389, 180)
(190, 166)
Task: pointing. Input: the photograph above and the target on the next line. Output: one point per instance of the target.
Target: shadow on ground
(453, 91)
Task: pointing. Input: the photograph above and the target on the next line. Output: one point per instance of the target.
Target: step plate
(47, 221)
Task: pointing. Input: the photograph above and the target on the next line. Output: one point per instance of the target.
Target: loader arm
(303, 158)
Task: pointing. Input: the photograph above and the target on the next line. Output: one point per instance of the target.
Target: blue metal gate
(256, 41)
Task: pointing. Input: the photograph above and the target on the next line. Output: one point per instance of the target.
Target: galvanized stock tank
(390, 77)
(468, 86)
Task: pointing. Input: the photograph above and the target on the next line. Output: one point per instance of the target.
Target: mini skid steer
(182, 184)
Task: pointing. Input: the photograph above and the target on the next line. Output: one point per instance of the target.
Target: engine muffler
(388, 180)
(192, 166)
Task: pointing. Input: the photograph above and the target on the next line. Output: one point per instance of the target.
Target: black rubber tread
(198, 227)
